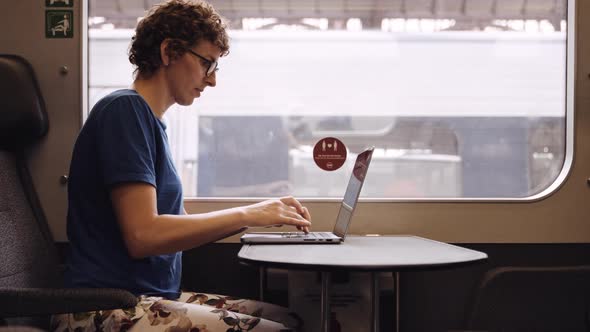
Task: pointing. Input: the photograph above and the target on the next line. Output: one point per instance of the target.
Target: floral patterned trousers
(192, 312)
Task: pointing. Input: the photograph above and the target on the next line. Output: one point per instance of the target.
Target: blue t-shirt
(121, 141)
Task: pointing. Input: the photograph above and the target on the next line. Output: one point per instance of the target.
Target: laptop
(351, 196)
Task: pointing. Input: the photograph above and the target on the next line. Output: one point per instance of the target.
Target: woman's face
(187, 76)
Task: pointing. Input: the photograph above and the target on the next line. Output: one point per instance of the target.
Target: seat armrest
(25, 302)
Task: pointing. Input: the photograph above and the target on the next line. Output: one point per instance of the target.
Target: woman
(126, 222)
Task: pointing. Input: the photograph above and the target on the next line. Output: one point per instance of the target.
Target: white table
(360, 253)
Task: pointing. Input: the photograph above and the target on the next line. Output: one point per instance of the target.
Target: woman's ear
(164, 56)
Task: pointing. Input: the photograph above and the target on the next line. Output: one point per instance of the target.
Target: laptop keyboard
(316, 235)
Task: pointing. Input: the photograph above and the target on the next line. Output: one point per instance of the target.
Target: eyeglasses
(212, 66)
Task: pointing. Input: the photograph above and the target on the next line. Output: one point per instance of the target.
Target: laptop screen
(352, 192)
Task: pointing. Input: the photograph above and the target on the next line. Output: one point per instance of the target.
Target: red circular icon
(329, 154)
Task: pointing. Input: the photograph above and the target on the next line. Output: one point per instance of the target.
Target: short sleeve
(126, 142)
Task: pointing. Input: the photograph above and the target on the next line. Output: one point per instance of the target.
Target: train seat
(30, 280)
(532, 299)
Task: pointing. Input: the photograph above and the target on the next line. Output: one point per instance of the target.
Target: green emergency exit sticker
(59, 3)
(59, 23)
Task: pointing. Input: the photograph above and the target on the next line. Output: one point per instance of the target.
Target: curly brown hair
(185, 23)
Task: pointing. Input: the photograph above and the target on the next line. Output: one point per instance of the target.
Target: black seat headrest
(23, 119)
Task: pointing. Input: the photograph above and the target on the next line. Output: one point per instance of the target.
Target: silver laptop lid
(355, 184)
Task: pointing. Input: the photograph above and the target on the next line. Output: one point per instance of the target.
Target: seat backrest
(532, 299)
(28, 257)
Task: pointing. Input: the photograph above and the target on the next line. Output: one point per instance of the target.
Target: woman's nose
(211, 79)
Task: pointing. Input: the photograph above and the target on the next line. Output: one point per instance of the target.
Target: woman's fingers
(292, 214)
(300, 209)
(285, 211)
(295, 221)
(307, 216)
(301, 216)
(289, 200)
(290, 217)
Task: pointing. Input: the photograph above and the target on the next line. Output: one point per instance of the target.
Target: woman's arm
(146, 233)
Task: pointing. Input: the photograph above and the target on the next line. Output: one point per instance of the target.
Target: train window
(462, 99)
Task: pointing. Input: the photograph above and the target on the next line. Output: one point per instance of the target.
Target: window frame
(546, 193)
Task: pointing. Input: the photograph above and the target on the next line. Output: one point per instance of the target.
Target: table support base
(325, 301)
(375, 294)
(396, 292)
(262, 280)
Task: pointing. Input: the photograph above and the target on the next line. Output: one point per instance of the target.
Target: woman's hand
(278, 212)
